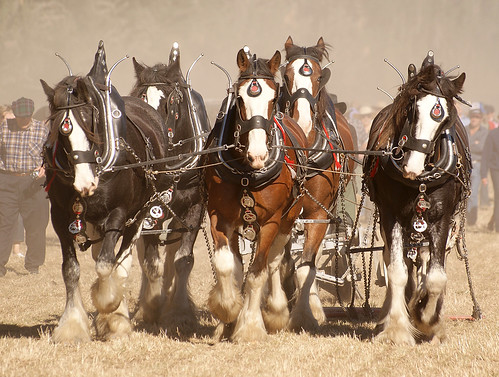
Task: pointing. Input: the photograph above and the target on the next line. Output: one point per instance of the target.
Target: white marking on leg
(225, 299)
(397, 327)
(436, 280)
(276, 314)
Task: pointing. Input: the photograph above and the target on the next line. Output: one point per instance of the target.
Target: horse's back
(147, 120)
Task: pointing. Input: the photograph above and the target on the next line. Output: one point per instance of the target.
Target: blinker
(306, 69)
(437, 112)
(66, 127)
(254, 90)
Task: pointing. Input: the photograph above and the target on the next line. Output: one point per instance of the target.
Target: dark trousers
(494, 175)
(25, 196)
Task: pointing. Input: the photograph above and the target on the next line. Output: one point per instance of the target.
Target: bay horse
(92, 130)
(419, 188)
(305, 98)
(253, 190)
(165, 294)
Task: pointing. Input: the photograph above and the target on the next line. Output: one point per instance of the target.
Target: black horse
(165, 295)
(419, 189)
(94, 130)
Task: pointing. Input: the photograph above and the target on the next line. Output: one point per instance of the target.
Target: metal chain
(316, 201)
(463, 253)
(204, 196)
(367, 279)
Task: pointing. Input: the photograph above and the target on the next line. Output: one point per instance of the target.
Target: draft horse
(305, 98)
(165, 294)
(419, 188)
(93, 129)
(253, 190)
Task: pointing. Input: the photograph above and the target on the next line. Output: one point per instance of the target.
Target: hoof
(111, 326)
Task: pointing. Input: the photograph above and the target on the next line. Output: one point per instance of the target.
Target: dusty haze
(361, 35)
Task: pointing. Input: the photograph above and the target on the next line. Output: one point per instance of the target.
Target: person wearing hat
(477, 135)
(21, 178)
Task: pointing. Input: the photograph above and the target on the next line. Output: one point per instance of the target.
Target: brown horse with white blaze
(253, 191)
(306, 100)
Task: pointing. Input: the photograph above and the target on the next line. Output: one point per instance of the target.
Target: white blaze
(426, 128)
(305, 82)
(257, 138)
(85, 181)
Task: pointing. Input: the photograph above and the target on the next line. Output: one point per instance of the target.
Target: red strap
(374, 170)
(336, 162)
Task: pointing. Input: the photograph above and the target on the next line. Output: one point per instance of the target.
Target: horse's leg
(225, 299)
(151, 290)
(73, 325)
(179, 311)
(426, 305)
(276, 312)
(250, 325)
(115, 323)
(395, 323)
(308, 313)
(287, 269)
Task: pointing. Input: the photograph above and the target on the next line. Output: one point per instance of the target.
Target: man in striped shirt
(21, 179)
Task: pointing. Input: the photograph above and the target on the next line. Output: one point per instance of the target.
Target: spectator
(489, 117)
(21, 178)
(365, 118)
(477, 135)
(490, 161)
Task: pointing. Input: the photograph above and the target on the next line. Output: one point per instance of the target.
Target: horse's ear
(242, 61)
(99, 70)
(321, 44)
(459, 82)
(48, 90)
(81, 89)
(137, 67)
(274, 62)
(289, 43)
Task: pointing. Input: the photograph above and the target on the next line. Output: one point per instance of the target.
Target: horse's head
(425, 107)
(303, 80)
(82, 118)
(257, 93)
(155, 84)
(73, 119)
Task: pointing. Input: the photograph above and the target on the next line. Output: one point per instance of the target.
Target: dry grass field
(31, 304)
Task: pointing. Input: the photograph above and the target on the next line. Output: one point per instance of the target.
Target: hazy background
(361, 35)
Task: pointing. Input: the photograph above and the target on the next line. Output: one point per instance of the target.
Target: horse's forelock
(314, 51)
(262, 69)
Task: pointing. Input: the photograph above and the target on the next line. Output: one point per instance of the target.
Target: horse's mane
(159, 73)
(389, 122)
